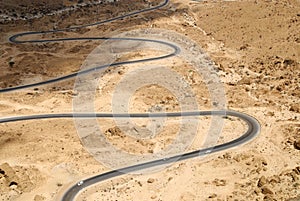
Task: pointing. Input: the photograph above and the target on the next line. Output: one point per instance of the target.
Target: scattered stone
(274, 179)
(297, 144)
(9, 174)
(297, 170)
(151, 151)
(257, 191)
(39, 198)
(294, 176)
(153, 197)
(270, 114)
(288, 62)
(227, 156)
(268, 198)
(295, 108)
(11, 64)
(244, 47)
(115, 131)
(150, 180)
(219, 182)
(294, 199)
(262, 181)
(13, 183)
(213, 196)
(69, 92)
(264, 162)
(279, 88)
(13, 186)
(266, 190)
(246, 81)
(59, 184)
(258, 170)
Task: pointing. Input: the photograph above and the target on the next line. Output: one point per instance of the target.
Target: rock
(213, 196)
(9, 174)
(297, 144)
(288, 62)
(264, 162)
(150, 180)
(262, 181)
(297, 170)
(246, 81)
(140, 183)
(295, 108)
(115, 131)
(294, 176)
(294, 199)
(274, 179)
(14, 186)
(257, 190)
(11, 64)
(266, 190)
(268, 198)
(151, 151)
(39, 198)
(279, 88)
(244, 47)
(219, 182)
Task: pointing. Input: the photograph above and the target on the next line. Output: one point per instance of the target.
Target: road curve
(73, 191)
(70, 194)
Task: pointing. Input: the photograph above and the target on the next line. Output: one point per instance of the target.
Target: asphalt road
(70, 194)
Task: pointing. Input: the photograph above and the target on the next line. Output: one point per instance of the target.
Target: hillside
(255, 47)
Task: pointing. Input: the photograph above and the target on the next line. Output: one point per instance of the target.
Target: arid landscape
(255, 45)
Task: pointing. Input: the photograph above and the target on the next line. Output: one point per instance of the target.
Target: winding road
(73, 191)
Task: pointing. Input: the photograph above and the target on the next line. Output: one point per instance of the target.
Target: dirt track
(256, 47)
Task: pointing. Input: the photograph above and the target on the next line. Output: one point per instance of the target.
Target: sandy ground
(255, 45)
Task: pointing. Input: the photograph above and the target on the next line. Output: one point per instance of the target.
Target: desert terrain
(255, 45)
